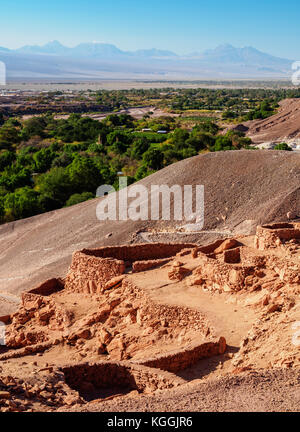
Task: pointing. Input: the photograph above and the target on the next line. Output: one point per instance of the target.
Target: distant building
(162, 132)
(146, 130)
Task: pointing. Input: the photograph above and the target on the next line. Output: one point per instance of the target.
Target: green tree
(200, 140)
(9, 136)
(6, 158)
(140, 146)
(22, 203)
(223, 143)
(179, 138)
(78, 198)
(35, 126)
(283, 146)
(55, 187)
(153, 159)
(84, 175)
(119, 141)
(43, 159)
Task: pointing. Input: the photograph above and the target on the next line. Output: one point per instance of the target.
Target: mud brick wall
(122, 375)
(182, 359)
(89, 274)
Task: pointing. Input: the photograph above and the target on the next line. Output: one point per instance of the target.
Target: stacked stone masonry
(92, 268)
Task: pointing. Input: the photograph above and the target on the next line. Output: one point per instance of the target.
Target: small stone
(273, 308)
(5, 395)
(195, 253)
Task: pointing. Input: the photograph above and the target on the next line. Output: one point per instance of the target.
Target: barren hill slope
(242, 189)
(284, 125)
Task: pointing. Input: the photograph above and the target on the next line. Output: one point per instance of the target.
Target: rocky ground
(259, 391)
(154, 339)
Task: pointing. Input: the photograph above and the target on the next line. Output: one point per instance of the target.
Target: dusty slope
(251, 186)
(284, 125)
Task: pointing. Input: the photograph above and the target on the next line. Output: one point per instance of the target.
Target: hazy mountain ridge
(91, 49)
(101, 60)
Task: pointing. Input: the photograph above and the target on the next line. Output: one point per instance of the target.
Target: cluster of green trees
(264, 110)
(244, 103)
(48, 163)
(283, 146)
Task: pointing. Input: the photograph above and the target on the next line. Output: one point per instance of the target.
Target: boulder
(114, 282)
(104, 336)
(227, 244)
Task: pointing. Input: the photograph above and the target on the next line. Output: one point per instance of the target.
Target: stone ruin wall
(272, 236)
(120, 374)
(179, 316)
(92, 268)
(139, 252)
(179, 360)
(89, 274)
(48, 287)
(223, 276)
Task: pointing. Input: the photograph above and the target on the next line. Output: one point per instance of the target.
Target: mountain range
(101, 60)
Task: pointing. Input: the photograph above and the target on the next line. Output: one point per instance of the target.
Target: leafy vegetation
(283, 146)
(48, 163)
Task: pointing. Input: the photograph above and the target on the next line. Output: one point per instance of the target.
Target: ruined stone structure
(91, 269)
(275, 235)
(118, 338)
(126, 376)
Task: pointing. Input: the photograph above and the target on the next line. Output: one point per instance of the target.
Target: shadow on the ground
(207, 365)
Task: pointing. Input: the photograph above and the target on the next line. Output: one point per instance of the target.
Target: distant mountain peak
(154, 52)
(54, 43)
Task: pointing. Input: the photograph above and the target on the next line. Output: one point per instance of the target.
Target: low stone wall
(89, 274)
(232, 256)
(92, 268)
(139, 252)
(48, 287)
(6, 319)
(120, 374)
(29, 350)
(272, 236)
(182, 359)
(139, 266)
(223, 276)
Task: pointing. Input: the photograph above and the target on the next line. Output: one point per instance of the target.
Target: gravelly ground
(261, 391)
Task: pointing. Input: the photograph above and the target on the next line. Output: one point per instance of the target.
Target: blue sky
(181, 26)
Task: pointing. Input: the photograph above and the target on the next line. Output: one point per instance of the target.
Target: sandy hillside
(285, 125)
